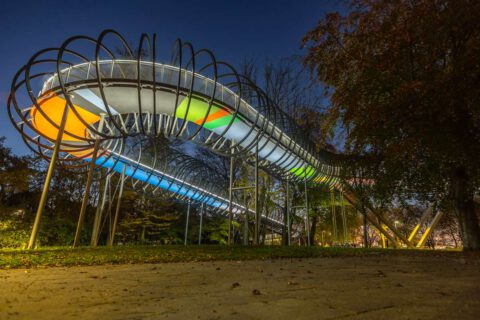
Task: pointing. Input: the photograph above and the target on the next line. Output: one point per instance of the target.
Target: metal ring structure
(130, 103)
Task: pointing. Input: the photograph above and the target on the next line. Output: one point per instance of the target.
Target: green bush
(13, 233)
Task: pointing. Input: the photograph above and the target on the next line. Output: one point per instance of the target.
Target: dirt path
(383, 287)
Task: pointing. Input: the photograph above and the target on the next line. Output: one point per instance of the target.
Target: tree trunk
(245, 225)
(285, 222)
(142, 234)
(365, 229)
(313, 230)
(264, 229)
(465, 210)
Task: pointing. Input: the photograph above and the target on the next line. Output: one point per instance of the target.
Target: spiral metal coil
(129, 103)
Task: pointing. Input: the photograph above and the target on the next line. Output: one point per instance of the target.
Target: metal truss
(97, 102)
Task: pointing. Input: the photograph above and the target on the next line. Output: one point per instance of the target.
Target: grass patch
(66, 256)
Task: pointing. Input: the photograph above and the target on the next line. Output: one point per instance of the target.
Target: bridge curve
(110, 98)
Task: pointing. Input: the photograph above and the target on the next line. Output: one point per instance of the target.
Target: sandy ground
(322, 288)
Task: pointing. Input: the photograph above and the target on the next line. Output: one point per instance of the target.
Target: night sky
(231, 29)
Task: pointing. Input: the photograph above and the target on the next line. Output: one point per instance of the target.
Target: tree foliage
(404, 80)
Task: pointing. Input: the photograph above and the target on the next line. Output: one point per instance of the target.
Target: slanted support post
(429, 229)
(384, 233)
(48, 179)
(354, 201)
(200, 227)
(86, 193)
(423, 218)
(186, 224)
(382, 236)
(117, 209)
(391, 227)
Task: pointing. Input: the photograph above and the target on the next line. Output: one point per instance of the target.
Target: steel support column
(307, 219)
(289, 235)
(200, 227)
(245, 222)
(334, 216)
(99, 212)
(294, 213)
(344, 219)
(257, 215)
(48, 179)
(117, 209)
(230, 198)
(186, 224)
(86, 193)
(109, 210)
(271, 233)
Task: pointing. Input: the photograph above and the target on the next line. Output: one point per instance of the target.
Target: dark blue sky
(231, 29)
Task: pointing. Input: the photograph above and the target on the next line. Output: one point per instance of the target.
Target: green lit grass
(66, 256)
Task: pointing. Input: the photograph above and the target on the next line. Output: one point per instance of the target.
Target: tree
(404, 82)
(288, 86)
(14, 173)
(147, 217)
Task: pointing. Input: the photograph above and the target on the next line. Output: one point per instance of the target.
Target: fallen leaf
(381, 274)
(256, 292)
